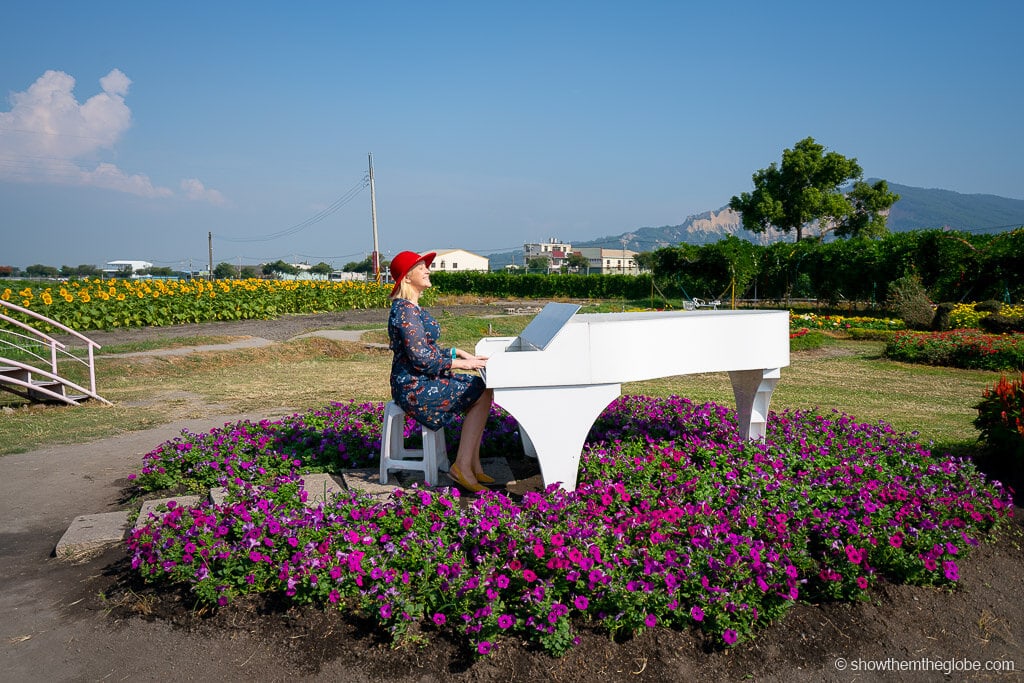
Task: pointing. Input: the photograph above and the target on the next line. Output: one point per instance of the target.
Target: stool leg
(391, 443)
(429, 458)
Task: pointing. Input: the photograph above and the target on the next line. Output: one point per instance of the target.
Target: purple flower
(440, 619)
(951, 571)
(483, 647)
(729, 636)
(506, 621)
(650, 621)
(697, 613)
(581, 602)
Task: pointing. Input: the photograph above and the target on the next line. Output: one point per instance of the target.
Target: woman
(422, 382)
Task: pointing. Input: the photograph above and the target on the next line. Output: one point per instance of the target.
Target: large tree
(814, 185)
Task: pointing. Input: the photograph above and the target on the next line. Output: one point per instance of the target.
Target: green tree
(538, 264)
(39, 270)
(224, 271)
(279, 267)
(83, 270)
(807, 187)
(645, 260)
(321, 268)
(364, 266)
(577, 262)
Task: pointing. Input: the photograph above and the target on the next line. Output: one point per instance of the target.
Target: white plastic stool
(395, 456)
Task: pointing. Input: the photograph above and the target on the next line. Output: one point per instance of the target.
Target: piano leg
(753, 392)
(555, 421)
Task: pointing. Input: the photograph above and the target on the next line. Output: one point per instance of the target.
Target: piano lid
(544, 327)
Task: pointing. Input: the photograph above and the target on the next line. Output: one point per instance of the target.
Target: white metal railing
(26, 344)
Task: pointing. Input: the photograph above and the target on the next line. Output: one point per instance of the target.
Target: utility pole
(209, 243)
(373, 218)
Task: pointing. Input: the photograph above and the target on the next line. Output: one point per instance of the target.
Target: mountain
(918, 208)
(932, 208)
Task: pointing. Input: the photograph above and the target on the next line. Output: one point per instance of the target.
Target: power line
(335, 206)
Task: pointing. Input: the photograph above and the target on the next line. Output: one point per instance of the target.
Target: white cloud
(195, 191)
(48, 137)
(111, 177)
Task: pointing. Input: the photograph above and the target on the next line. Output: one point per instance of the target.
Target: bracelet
(453, 353)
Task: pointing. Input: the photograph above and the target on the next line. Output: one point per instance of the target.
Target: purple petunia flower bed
(675, 522)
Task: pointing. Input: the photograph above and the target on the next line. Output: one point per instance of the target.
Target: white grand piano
(563, 370)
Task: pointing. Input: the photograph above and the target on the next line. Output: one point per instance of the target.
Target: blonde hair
(404, 290)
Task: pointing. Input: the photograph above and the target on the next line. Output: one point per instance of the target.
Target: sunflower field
(116, 303)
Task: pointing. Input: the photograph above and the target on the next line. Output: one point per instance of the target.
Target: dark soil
(94, 620)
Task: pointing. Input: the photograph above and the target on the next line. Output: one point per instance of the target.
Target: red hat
(403, 263)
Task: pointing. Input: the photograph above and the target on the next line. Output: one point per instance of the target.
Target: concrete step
(90, 535)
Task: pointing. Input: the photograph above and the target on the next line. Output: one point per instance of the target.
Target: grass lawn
(843, 374)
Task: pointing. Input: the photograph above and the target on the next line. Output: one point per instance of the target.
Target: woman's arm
(425, 356)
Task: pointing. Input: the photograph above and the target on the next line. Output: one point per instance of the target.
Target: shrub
(908, 298)
(989, 306)
(966, 349)
(943, 319)
(997, 323)
(1001, 421)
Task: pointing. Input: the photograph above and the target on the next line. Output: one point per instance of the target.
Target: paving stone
(320, 487)
(498, 469)
(367, 480)
(88, 535)
(158, 507)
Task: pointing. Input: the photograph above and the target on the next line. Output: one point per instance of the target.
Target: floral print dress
(422, 382)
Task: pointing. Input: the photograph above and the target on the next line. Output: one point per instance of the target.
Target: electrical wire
(335, 206)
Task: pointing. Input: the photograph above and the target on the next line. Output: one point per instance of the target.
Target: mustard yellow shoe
(483, 478)
(455, 474)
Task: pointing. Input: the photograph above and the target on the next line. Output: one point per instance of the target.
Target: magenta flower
(729, 636)
(440, 619)
(650, 621)
(697, 613)
(483, 647)
(506, 621)
(951, 571)
(581, 602)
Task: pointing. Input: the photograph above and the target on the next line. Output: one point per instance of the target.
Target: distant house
(554, 250)
(459, 260)
(129, 267)
(610, 261)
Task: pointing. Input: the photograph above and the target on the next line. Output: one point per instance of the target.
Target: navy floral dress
(422, 382)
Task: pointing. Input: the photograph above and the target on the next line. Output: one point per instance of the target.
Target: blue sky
(132, 130)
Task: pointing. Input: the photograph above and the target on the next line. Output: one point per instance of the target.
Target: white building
(554, 250)
(131, 267)
(610, 261)
(553, 245)
(459, 260)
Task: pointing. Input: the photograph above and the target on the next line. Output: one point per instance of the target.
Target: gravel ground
(285, 327)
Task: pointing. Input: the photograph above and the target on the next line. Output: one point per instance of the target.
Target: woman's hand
(467, 361)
